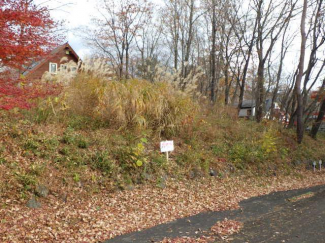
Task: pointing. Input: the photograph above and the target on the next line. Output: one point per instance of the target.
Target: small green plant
(65, 151)
(82, 143)
(132, 159)
(31, 145)
(68, 136)
(158, 159)
(42, 113)
(36, 169)
(218, 150)
(269, 143)
(102, 161)
(76, 177)
(26, 180)
(284, 153)
(2, 161)
(52, 143)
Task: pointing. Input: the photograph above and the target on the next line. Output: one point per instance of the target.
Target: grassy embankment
(104, 135)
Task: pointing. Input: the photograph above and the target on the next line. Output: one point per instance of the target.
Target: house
(57, 59)
(247, 108)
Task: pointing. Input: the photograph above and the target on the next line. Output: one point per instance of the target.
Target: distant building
(56, 60)
(247, 108)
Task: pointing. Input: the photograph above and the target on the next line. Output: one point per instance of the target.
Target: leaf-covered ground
(106, 215)
(222, 229)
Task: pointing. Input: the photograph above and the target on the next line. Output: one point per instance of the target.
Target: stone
(33, 203)
(195, 173)
(162, 182)
(212, 172)
(192, 174)
(41, 190)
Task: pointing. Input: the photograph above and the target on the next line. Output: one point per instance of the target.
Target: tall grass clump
(133, 103)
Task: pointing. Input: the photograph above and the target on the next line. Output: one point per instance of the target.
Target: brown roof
(34, 66)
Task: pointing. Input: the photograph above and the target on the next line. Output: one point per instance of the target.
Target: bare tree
(300, 127)
(272, 17)
(285, 44)
(117, 25)
(245, 38)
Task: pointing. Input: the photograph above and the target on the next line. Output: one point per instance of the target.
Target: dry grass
(136, 104)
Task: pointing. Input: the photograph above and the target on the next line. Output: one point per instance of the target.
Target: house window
(63, 67)
(74, 69)
(53, 68)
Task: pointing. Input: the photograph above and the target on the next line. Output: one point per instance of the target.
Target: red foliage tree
(26, 34)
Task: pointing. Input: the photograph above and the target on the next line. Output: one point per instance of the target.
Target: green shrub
(243, 154)
(82, 143)
(158, 159)
(102, 161)
(131, 159)
(69, 136)
(32, 145)
(65, 151)
(26, 180)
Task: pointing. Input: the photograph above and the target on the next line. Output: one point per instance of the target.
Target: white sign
(166, 146)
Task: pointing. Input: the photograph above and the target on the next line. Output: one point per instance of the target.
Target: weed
(158, 160)
(36, 169)
(82, 143)
(76, 177)
(26, 180)
(269, 144)
(52, 143)
(102, 161)
(42, 113)
(31, 145)
(2, 161)
(68, 136)
(65, 151)
(218, 150)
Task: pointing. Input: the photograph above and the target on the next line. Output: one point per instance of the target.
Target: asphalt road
(270, 218)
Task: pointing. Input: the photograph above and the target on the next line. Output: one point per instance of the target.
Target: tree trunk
(318, 122)
(213, 55)
(127, 62)
(300, 125)
(260, 92)
(189, 40)
(242, 86)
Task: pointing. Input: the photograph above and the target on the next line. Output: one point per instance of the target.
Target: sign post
(314, 164)
(320, 165)
(166, 147)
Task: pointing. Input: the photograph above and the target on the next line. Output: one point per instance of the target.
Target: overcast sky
(75, 13)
